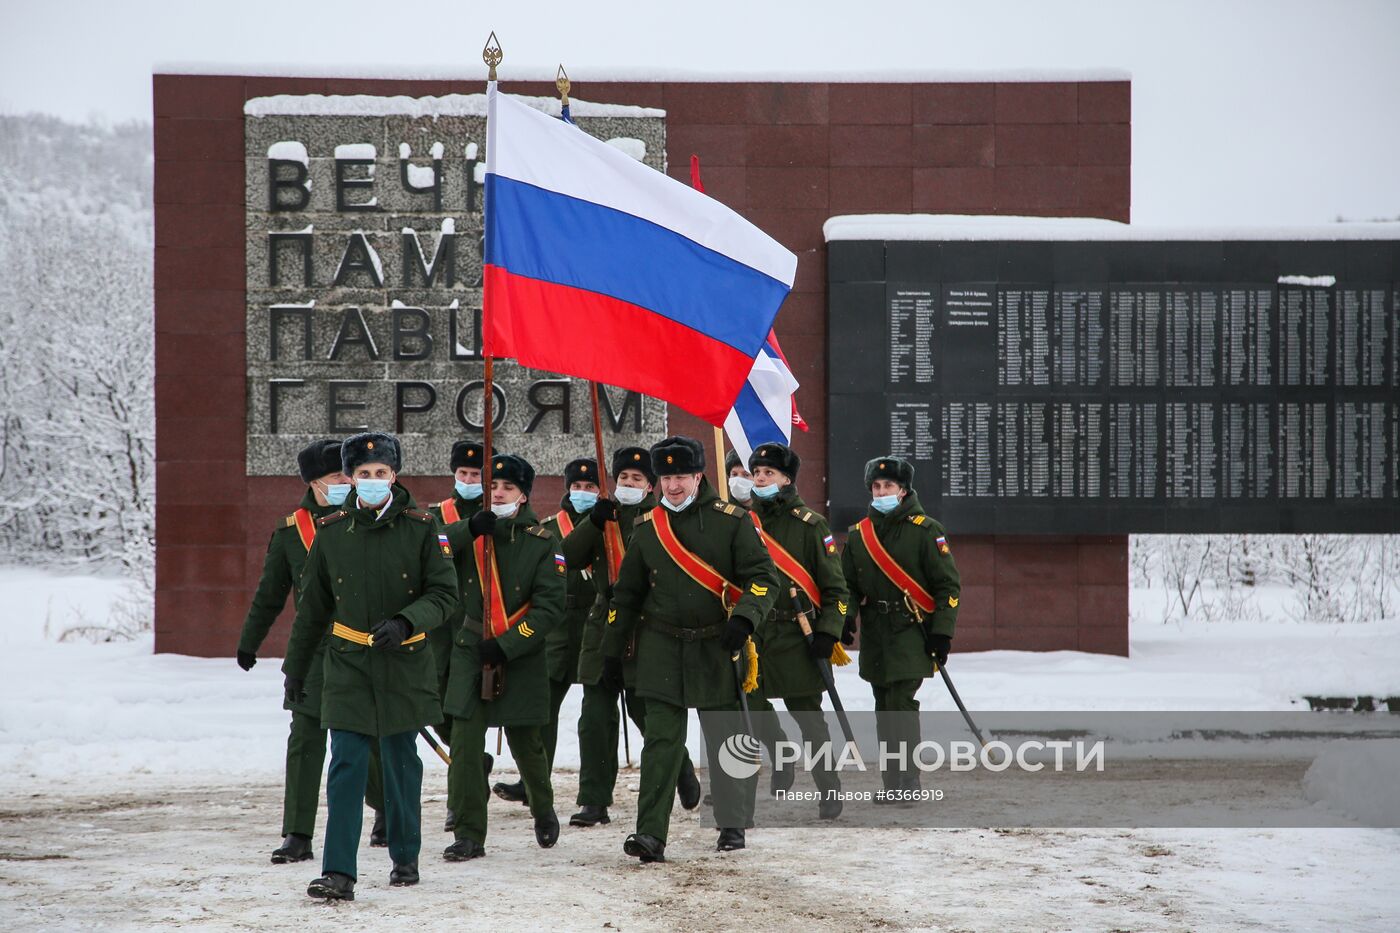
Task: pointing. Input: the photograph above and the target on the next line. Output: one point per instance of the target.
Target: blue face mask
(582, 501)
(337, 493)
(467, 490)
(372, 491)
(767, 492)
(884, 504)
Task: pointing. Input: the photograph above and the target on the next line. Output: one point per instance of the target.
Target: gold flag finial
(492, 55)
(561, 81)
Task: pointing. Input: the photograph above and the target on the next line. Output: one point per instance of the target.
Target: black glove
(603, 511)
(490, 652)
(736, 630)
(246, 660)
(848, 631)
(821, 644)
(293, 690)
(938, 646)
(612, 679)
(482, 523)
(390, 633)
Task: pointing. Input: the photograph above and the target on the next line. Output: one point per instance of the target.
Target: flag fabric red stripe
(665, 359)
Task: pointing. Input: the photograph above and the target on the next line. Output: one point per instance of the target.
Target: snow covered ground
(140, 789)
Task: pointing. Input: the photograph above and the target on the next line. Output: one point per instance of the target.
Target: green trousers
(345, 797)
(558, 689)
(664, 753)
(598, 724)
(466, 776)
(807, 710)
(301, 796)
(897, 698)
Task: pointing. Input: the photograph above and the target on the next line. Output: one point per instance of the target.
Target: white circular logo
(739, 756)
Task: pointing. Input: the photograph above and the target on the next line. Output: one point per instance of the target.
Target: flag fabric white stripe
(528, 146)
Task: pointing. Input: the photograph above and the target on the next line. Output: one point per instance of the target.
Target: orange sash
(450, 515)
(788, 564)
(566, 524)
(613, 547)
(306, 527)
(913, 592)
(694, 567)
(500, 622)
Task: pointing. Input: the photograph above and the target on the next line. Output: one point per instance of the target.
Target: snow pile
(449, 105)
(940, 227)
(1357, 777)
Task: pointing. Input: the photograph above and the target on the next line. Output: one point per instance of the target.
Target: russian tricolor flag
(763, 412)
(600, 267)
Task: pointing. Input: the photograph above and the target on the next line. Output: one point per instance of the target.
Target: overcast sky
(1243, 112)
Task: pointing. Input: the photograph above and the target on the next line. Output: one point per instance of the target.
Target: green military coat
(441, 637)
(565, 640)
(361, 571)
(525, 557)
(891, 643)
(653, 594)
(281, 574)
(785, 667)
(584, 548)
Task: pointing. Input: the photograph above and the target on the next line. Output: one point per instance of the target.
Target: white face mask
(677, 508)
(740, 487)
(630, 495)
(505, 509)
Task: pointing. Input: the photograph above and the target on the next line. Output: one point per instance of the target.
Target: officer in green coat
(599, 718)
(466, 500)
(379, 577)
(561, 647)
(326, 488)
(528, 577)
(904, 629)
(687, 629)
(803, 551)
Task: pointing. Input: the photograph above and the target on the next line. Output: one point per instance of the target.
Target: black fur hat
(467, 454)
(633, 458)
(371, 448)
(778, 456)
(515, 470)
(582, 470)
(901, 471)
(676, 455)
(318, 459)
(731, 460)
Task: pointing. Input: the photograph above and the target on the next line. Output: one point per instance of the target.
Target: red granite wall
(785, 155)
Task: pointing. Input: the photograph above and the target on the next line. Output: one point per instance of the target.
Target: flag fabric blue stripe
(556, 238)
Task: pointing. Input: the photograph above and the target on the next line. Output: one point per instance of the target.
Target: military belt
(365, 638)
(781, 615)
(889, 607)
(687, 634)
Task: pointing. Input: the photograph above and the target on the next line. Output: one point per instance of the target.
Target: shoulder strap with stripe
(306, 527)
(450, 515)
(789, 565)
(897, 575)
(500, 621)
(692, 565)
(566, 524)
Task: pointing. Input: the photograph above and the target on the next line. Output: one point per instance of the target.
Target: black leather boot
(404, 875)
(688, 786)
(647, 848)
(590, 816)
(333, 886)
(547, 830)
(730, 839)
(294, 848)
(463, 850)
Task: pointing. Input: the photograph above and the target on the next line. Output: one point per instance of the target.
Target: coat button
(405, 576)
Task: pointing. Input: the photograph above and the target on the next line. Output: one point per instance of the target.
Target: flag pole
(492, 55)
(719, 431)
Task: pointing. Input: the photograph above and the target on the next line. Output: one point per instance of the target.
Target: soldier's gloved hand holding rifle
(821, 645)
(293, 690)
(603, 511)
(390, 633)
(736, 632)
(246, 660)
(612, 674)
(938, 645)
(490, 652)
